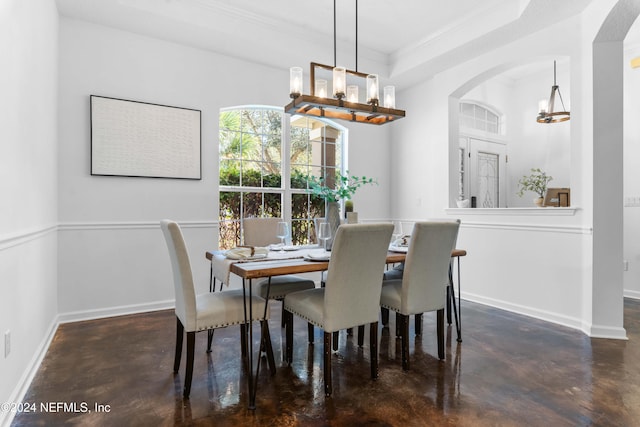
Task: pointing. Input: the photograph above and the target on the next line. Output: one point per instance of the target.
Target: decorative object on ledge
(547, 114)
(348, 207)
(536, 182)
(558, 197)
(463, 203)
(349, 214)
(345, 104)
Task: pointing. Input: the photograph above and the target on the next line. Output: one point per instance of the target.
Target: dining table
(305, 259)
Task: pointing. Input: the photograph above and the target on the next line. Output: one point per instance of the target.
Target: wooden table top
(258, 269)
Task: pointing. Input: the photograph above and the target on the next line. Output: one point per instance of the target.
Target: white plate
(317, 257)
(401, 249)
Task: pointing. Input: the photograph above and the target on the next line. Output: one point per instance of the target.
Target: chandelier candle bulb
(352, 93)
(321, 88)
(339, 82)
(542, 106)
(373, 94)
(295, 82)
(389, 97)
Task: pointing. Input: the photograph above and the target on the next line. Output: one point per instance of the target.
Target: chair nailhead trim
(224, 325)
(305, 318)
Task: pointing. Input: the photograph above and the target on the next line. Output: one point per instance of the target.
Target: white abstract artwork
(130, 138)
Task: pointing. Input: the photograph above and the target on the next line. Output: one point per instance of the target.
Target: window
(474, 116)
(265, 158)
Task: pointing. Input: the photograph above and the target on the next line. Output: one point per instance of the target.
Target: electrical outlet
(7, 343)
(625, 265)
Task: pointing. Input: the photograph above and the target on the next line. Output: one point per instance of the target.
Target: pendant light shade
(295, 82)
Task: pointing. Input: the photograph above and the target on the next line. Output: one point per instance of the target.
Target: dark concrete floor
(510, 370)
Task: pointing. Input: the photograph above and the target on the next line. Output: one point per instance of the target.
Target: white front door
(487, 173)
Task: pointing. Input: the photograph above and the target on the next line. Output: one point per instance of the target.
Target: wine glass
(282, 231)
(324, 234)
(397, 231)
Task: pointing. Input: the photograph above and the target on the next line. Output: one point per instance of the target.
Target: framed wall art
(139, 139)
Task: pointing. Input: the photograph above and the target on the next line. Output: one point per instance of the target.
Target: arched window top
(479, 117)
(265, 159)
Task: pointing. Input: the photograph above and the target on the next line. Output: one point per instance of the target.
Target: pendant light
(546, 113)
(343, 100)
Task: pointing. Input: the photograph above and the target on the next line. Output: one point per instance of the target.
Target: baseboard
(29, 373)
(595, 331)
(547, 316)
(101, 313)
(631, 294)
(592, 331)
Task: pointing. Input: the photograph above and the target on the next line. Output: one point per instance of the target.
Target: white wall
(536, 145)
(28, 185)
(632, 167)
(537, 263)
(112, 255)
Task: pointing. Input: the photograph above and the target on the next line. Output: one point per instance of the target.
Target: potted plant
(344, 188)
(536, 182)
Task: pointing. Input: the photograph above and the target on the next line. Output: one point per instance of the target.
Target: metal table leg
(451, 292)
(265, 340)
(459, 306)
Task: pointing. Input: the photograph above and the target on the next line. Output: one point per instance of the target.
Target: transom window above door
(478, 117)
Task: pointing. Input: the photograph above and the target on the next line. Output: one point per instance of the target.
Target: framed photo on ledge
(139, 139)
(558, 197)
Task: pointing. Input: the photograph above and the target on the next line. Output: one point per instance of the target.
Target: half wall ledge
(534, 211)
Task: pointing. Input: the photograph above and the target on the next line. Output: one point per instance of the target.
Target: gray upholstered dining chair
(262, 232)
(351, 296)
(206, 311)
(423, 286)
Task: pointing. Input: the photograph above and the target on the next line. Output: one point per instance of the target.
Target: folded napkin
(402, 242)
(244, 252)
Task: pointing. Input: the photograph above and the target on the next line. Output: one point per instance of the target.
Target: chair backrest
(182, 275)
(354, 278)
(426, 268)
(260, 231)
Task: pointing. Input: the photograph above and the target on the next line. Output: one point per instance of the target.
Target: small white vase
(463, 203)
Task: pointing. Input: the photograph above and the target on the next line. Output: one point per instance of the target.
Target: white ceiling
(399, 39)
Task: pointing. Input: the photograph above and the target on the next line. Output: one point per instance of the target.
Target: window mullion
(285, 168)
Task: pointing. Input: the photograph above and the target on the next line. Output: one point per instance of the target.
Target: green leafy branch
(345, 186)
(536, 182)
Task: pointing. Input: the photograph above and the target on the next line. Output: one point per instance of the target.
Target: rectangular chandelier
(345, 103)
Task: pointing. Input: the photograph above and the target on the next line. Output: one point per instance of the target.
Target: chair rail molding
(132, 225)
(547, 228)
(25, 236)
